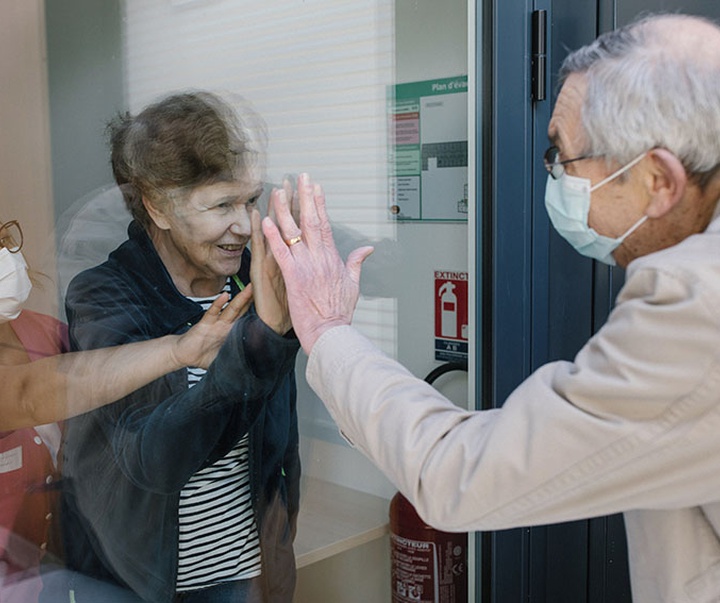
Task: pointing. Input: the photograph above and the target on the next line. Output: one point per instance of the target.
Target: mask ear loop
(633, 228)
(622, 170)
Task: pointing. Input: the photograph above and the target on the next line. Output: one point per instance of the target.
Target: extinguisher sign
(451, 316)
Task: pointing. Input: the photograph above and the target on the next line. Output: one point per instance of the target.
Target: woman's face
(202, 235)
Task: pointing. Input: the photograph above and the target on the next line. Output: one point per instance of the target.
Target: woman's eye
(252, 202)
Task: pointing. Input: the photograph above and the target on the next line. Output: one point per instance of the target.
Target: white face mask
(567, 201)
(15, 284)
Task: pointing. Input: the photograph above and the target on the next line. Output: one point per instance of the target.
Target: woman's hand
(268, 284)
(199, 346)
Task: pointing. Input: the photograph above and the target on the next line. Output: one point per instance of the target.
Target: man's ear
(667, 181)
(157, 216)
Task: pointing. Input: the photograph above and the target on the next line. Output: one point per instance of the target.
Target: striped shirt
(218, 539)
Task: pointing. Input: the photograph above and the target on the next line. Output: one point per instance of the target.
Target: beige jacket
(632, 424)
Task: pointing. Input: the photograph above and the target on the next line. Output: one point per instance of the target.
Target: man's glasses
(554, 166)
(11, 236)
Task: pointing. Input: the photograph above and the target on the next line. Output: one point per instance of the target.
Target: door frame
(541, 301)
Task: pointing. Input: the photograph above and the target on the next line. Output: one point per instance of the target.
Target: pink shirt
(28, 469)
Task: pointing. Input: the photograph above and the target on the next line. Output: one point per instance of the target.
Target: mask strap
(622, 170)
(633, 228)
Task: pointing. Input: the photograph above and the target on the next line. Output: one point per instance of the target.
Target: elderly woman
(187, 489)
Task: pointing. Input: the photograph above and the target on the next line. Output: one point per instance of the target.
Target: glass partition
(371, 98)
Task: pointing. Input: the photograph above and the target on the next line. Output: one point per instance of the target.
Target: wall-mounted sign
(451, 316)
(429, 155)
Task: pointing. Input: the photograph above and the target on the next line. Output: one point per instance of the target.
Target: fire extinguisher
(428, 566)
(448, 314)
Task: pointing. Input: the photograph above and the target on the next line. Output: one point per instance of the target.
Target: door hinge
(539, 54)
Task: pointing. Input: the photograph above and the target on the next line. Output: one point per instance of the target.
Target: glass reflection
(315, 80)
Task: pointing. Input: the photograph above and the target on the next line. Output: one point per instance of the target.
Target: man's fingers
(285, 221)
(309, 219)
(320, 207)
(355, 260)
(292, 197)
(295, 206)
(324, 222)
(305, 188)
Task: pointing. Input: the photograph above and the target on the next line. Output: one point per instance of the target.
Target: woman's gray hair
(181, 142)
(644, 91)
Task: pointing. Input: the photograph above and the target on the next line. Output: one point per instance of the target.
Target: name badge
(11, 460)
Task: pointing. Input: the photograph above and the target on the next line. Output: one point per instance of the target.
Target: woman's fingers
(216, 307)
(239, 305)
(236, 308)
(257, 240)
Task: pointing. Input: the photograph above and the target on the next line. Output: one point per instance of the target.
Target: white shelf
(334, 519)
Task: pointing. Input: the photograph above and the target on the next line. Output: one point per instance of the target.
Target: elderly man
(632, 423)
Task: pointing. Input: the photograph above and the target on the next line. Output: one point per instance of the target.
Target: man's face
(615, 206)
(205, 234)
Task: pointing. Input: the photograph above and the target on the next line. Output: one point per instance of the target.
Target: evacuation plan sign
(429, 158)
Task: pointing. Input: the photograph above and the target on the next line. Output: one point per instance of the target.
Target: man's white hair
(653, 83)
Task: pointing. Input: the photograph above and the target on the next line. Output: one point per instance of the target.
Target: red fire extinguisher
(428, 566)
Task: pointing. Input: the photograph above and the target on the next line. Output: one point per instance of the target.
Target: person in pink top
(28, 459)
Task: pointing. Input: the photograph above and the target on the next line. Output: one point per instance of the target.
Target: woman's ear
(156, 215)
(667, 181)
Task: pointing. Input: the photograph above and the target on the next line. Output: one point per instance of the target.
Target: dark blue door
(541, 300)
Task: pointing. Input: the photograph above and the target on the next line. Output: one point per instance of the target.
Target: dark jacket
(125, 464)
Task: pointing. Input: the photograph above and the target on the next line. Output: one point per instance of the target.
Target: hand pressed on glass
(322, 289)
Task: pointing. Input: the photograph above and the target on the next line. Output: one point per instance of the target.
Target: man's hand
(322, 290)
(199, 346)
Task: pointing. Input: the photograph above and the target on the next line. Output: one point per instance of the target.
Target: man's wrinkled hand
(322, 290)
